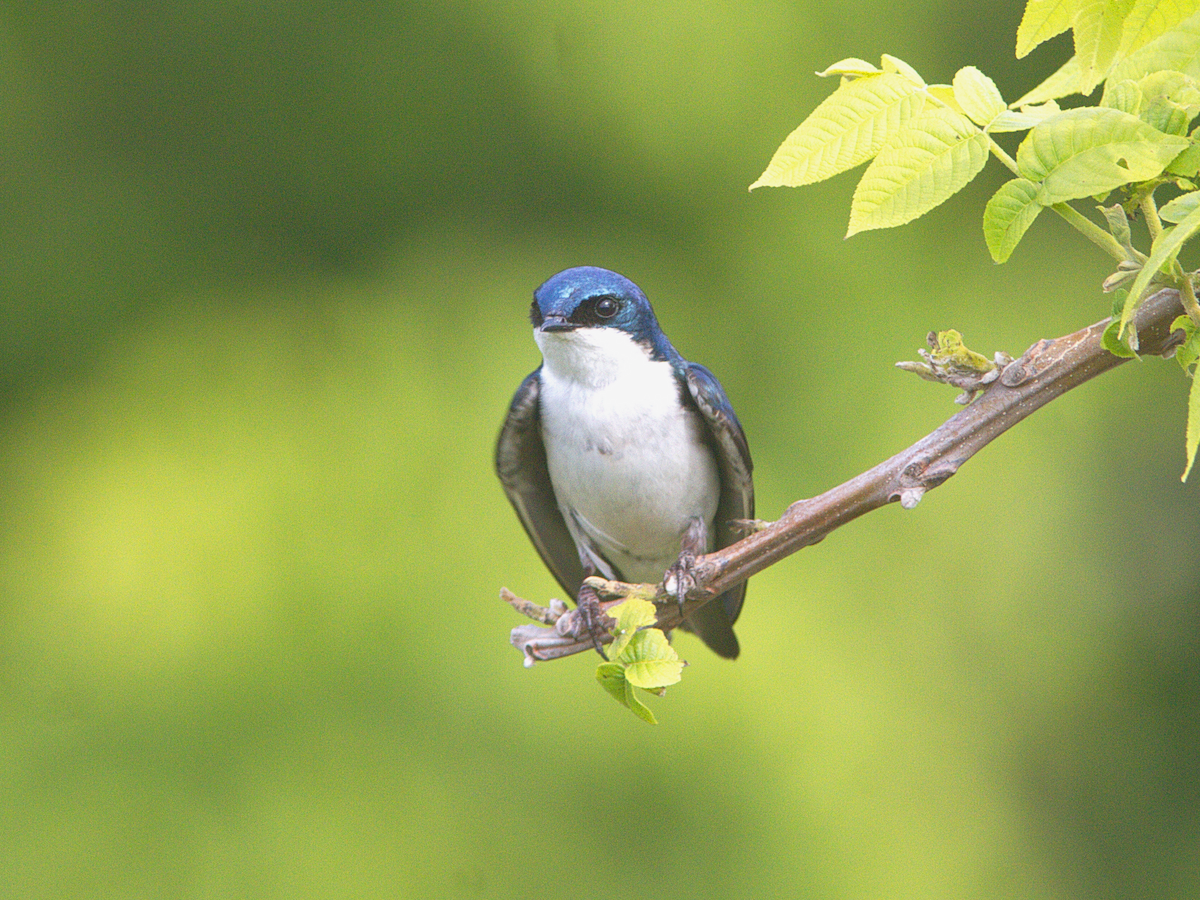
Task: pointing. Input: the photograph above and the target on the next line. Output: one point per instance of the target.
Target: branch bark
(1045, 371)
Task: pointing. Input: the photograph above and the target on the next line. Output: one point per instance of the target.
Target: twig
(1047, 370)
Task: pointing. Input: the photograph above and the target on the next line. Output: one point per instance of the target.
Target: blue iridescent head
(591, 297)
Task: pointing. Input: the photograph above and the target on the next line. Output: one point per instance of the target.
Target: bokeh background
(264, 273)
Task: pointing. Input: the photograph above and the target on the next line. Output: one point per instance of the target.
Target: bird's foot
(591, 621)
(680, 579)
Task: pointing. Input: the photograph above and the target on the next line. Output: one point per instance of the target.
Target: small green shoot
(640, 657)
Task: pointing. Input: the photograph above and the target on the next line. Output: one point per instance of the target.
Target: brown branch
(1047, 370)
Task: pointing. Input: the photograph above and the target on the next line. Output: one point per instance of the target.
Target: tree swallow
(621, 458)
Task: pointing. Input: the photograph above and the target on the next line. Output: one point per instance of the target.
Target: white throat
(595, 357)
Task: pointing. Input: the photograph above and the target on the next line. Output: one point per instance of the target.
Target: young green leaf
(1114, 344)
(1098, 28)
(1126, 96)
(1193, 426)
(1024, 118)
(933, 158)
(1170, 100)
(1176, 50)
(977, 95)
(1111, 339)
(637, 707)
(1187, 163)
(900, 67)
(1180, 208)
(652, 661)
(1008, 216)
(1187, 354)
(1150, 18)
(1118, 226)
(630, 615)
(1043, 20)
(944, 95)
(612, 678)
(850, 68)
(846, 129)
(1176, 86)
(1162, 251)
(1088, 152)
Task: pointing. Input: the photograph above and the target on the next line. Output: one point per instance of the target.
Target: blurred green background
(264, 273)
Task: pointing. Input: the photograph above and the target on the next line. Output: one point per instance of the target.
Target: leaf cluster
(925, 142)
(639, 657)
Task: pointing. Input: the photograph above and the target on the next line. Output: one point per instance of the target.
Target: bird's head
(589, 317)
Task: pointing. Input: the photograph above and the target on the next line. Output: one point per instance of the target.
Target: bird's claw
(680, 579)
(591, 621)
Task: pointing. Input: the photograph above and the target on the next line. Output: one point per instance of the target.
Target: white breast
(628, 462)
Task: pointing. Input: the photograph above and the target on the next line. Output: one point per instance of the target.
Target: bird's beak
(557, 323)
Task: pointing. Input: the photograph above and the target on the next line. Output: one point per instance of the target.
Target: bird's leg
(591, 616)
(680, 578)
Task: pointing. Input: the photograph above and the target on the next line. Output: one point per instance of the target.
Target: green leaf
(640, 657)
(1117, 344)
(1087, 152)
(1098, 26)
(1024, 118)
(1008, 216)
(850, 68)
(944, 94)
(630, 615)
(1128, 308)
(1150, 18)
(900, 67)
(1126, 96)
(1167, 116)
(977, 95)
(1187, 163)
(1043, 20)
(1181, 207)
(1119, 279)
(930, 160)
(1193, 426)
(1162, 251)
(1065, 81)
(1112, 342)
(1118, 226)
(1188, 353)
(846, 129)
(653, 662)
(1172, 85)
(637, 707)
(1170, 100)
(612, 678)
(1177, 50)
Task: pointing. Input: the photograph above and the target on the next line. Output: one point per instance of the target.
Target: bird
(620, 457)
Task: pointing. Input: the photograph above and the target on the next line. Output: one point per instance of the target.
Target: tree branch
(1047, 370)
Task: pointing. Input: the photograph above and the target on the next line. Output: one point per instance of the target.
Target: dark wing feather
(521, 465)
(714, 622)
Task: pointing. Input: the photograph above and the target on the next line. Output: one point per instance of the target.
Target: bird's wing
(521, 465)
(714, 621)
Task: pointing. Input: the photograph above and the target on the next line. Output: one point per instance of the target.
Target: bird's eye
(606, 307)
(535, 314)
